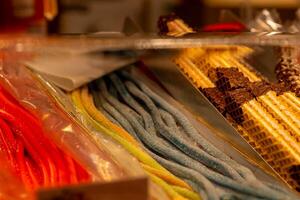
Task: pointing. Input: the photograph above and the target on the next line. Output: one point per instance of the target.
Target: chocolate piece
(230, 78)
(288, 72)
(234, 101)
(259, 88)
(212, 74)
(296, 88)
(280, 88)
(216, 98)
(231, 121)
(240, 96)
(285, 70)
(163, 21)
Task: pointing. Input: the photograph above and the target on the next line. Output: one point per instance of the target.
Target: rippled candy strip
(84, 103)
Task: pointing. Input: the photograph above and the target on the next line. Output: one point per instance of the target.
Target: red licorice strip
(81, 173)
(32, 142)
(35, 123)
(23, 169)
(9, 144)
(44, 164)
(8, 96)
(35, 170)
(33, 173)
(8, 133)
(72, 169)
(5, 144)
(34, 154)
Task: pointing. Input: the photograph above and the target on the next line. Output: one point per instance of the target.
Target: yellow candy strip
(166, 177)
(134, 150)
(79, 104)
(138, 152)
(169, 190)
(186, 193)
(101, 119)
(140, 155)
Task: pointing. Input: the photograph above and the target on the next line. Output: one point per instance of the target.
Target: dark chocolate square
(230, 79)
(234, 100)
(216, 98)
(259, 88)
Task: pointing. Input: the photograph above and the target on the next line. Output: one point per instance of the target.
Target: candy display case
(236, 80)
(202, 116)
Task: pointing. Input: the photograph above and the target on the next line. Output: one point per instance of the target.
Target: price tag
(131, 189)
